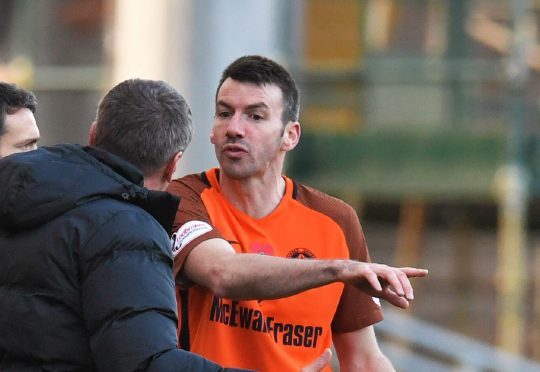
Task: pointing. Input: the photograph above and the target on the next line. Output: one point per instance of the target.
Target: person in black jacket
(85, 260)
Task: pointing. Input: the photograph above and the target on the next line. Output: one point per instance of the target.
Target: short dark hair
(260, 71)
(13, 98)
(144, 122)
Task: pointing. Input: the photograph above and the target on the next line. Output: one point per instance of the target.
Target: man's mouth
(234, 150)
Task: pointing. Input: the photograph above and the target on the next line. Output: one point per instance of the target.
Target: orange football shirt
(284, 334)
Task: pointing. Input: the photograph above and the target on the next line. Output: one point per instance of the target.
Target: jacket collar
(160, 204)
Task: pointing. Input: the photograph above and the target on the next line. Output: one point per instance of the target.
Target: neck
(257, 197)
(155, 183)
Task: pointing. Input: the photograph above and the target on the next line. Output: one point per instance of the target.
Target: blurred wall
(188, 44)
(70, 52)
(54, 48)
(221, 32)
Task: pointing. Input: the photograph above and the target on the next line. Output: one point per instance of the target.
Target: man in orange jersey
(271, 272)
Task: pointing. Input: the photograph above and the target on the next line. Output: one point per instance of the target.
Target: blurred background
(422, 114)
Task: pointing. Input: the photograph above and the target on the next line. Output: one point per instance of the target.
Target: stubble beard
(234, 169)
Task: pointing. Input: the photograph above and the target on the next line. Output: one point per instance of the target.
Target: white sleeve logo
(186, 233)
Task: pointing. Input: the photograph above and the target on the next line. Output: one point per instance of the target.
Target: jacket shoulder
(118, 227)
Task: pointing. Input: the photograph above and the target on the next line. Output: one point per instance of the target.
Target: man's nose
(235, 127)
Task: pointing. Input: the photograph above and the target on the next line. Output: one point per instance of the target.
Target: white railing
(416, 345)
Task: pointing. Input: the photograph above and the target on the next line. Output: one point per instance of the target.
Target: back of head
(145, 122)
(13, 98)
(260, 71)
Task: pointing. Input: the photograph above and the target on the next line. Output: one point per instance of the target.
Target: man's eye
(256, 117)
(30, 146)
(224, 114)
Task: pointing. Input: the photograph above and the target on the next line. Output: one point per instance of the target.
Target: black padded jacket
(85, 266)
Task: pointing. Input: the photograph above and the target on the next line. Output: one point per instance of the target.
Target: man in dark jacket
(85, 260)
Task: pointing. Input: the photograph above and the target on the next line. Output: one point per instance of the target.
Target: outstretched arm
(215, 265)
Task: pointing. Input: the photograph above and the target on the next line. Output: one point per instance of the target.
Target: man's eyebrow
(222, 103)
(252, 106)
(257, 106)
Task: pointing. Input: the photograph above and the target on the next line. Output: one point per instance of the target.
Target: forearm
(215, 265)
(372, 363)
(254, 276)
(359, 351)
(175, 360)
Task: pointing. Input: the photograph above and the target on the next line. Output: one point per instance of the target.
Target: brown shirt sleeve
(192, 224)
(356, 309)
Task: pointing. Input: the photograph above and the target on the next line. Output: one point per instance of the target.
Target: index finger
(413, 272)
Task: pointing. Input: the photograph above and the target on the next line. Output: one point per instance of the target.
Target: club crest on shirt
(301, 253)
(186, 233)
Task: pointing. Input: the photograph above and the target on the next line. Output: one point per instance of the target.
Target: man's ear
(92, 136)
(171, 166)
(291, 136)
